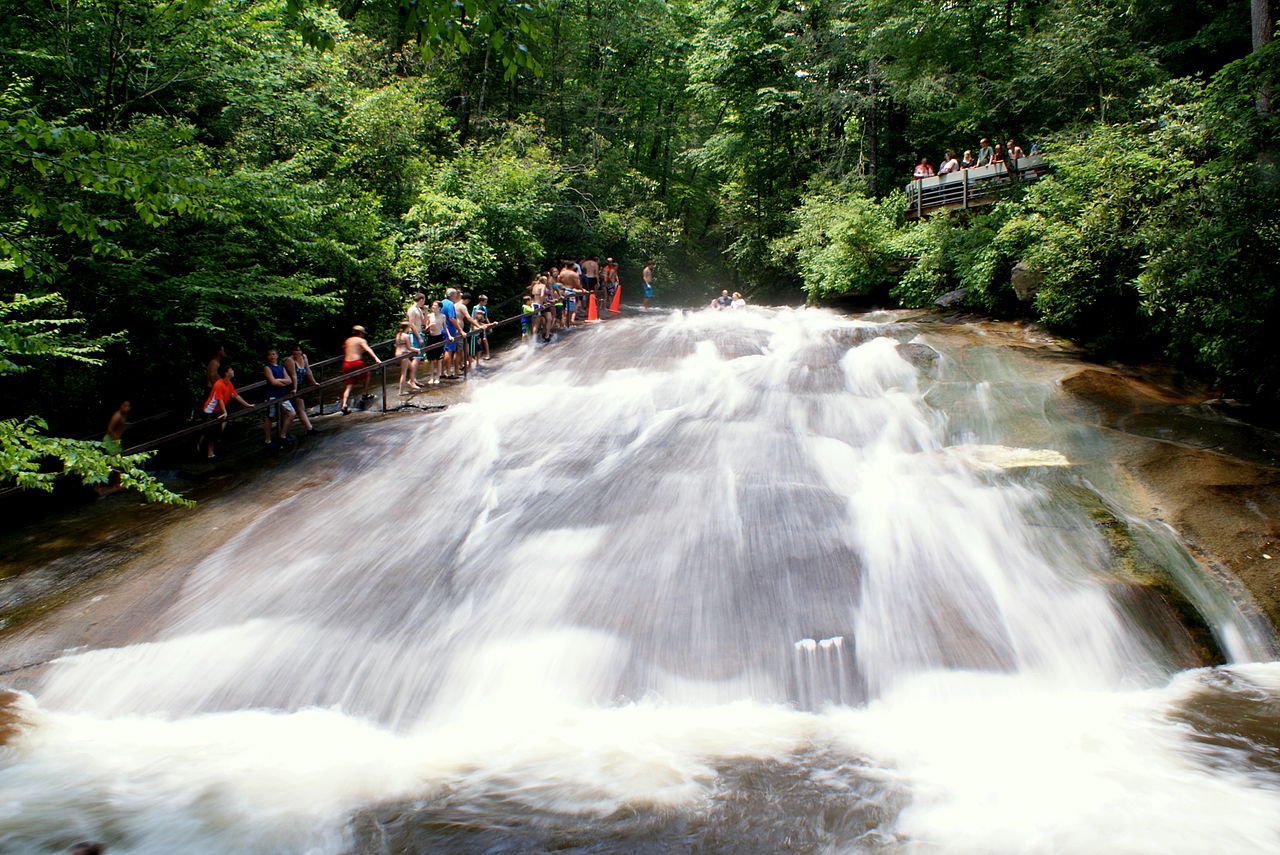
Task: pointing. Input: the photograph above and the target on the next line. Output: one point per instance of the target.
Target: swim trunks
(352, 366)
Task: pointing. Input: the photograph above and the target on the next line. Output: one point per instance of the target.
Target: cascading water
(754, 581)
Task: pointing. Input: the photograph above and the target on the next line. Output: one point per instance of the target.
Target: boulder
(951, 299)
(1026, 281)
(919, 355)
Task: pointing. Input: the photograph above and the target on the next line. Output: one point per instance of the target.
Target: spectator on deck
(215, 407)
(985, 152)
(998, 156)
(1013, 151)
(949, 164)
(280, 390)
(923, 169)
(968, 161)
(353, 350)
(299, 368)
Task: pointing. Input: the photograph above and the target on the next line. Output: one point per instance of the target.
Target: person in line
(570, 285)
(406, 348)
(609, 279)
(646, 277)
(539, 292)
(215, 407)
(548, 308)
(949, 164)
(113, 444)
(985, 152)
(738, 301)
(590, 279)
(211, 367)
(722, 302)
(435, 341)
(353, 350)
(923, 169)
(415, 316)
(279, 389)
(468, 342)
(481, 315)
(968, 162)
(452, 333)
(299, 368)
(1013, 151)
(527, 318)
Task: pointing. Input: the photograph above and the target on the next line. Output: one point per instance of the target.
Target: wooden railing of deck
(968, 188)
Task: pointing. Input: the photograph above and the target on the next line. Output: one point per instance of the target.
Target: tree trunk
(1263, 31)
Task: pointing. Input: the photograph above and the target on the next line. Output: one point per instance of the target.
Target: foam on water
(688, 583)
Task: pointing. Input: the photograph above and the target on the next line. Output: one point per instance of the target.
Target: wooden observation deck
(970, 188)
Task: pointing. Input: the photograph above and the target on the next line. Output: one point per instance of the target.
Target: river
(727, 582)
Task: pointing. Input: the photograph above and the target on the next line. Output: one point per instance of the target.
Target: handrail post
(964, 194)
(384, 385)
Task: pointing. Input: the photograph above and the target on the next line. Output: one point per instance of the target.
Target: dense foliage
(176, 174)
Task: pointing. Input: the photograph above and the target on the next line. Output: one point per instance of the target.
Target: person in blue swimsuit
(280, 389)
(452, 332)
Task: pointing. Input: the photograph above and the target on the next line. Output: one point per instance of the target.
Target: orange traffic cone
(592, 317)
(617, 300)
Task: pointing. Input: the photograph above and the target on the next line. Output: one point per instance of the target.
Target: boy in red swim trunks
(353, 351)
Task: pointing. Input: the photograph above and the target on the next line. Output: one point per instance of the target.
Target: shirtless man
(591, 278)
(112, 441)
(353, 351)
(647, 276)
(570, 285)
(609, 280)
(415, 317)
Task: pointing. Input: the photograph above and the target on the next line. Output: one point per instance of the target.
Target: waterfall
(764, 580)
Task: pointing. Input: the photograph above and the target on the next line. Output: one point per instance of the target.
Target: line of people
(559, 297)
(987, 155)
(450, 335)
(284, 383)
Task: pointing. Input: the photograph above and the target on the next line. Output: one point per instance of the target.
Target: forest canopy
(176, 174)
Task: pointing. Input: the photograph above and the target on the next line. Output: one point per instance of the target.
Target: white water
(726, 581)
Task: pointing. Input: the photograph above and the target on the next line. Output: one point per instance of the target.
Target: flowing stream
(739, 582)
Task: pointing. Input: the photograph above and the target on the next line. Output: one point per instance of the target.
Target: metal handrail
(319, 386)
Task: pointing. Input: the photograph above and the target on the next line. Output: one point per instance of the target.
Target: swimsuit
(351, 365)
